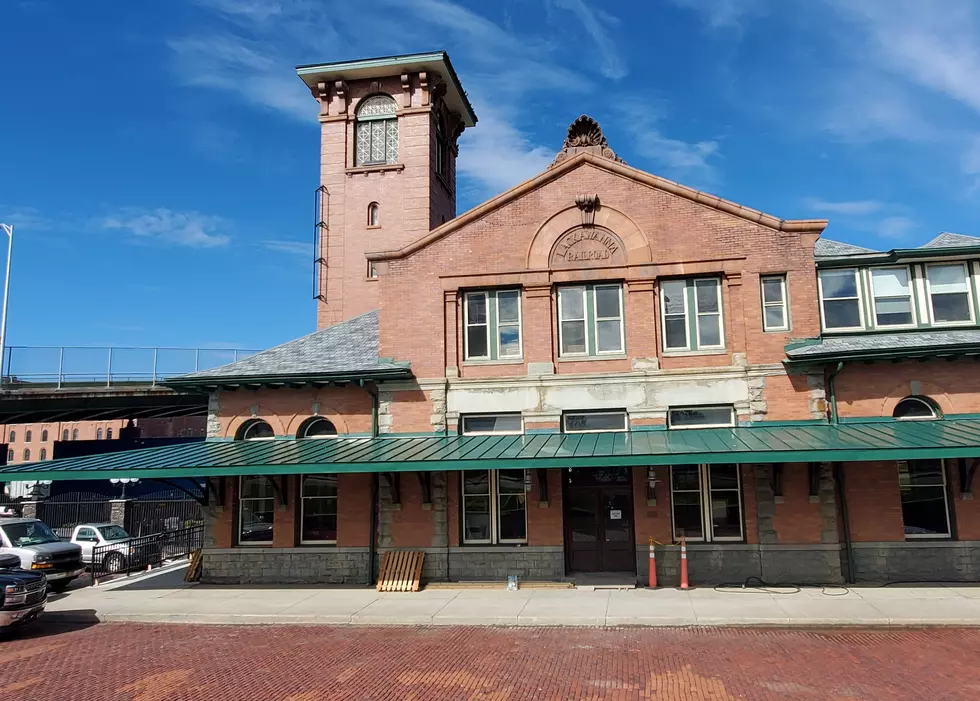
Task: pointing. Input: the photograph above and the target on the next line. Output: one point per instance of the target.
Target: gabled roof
(348, 350)
(816, 442)
(612, 166)
(950, 240)
(828, 248)
(912, 344)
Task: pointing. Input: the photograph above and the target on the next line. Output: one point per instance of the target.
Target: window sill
(512, 546)
(380, 168)
(687, 353)
(317, 543)
(951, 324)
(370, 279)
(585, 358)
(506, 361)
(777, 330)
(373, 226)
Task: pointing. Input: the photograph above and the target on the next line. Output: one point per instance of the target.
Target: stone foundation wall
(733, 563)
(285, 566)
(950, 561)
(528, 562)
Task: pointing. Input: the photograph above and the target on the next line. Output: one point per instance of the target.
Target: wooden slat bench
(401, 570)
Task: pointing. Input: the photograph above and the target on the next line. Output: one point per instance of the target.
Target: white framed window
(775, 304)
(673, 305)
(915, 409)
(707, 295)
(701, 417)
(256, 510)
(318, 494)
(891, 297)
(840, 300)
(925, 503)
(376, 133)
(706, 502)
(491, 424)
(494, 506)
(594, 421)
(948, 290)
(492, 324)
(591, 320)
(255, 430)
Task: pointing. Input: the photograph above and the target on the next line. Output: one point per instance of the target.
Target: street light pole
(8, 229)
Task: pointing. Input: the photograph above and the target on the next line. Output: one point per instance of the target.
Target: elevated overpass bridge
(79, 383)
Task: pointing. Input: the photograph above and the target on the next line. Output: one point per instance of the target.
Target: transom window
(840, 299)
(255, 430)
(492, 321)
(925, 507)
(256, 510)
(915, 408)
(317, 427)
(494, 506)
(706, 502)
(488, 424)
(948, 285)
(319, 517)
(691, 314)
(377, 131)
(775, 309)
(701, 417)
(590, 320)
(891, 296)
(594, 421)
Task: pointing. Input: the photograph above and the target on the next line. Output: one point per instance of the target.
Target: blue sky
(159, 159)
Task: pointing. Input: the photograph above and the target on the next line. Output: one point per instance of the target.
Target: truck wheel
(113, 563)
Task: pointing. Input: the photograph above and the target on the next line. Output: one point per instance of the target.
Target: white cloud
(28, 218)
(723, 14)
(677, 157)
(896, 227)
(299, 248)
(191, 229)
(612, 64)
(498, 155)
(854, 207)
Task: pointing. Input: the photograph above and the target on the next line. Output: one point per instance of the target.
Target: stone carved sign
(587, 247)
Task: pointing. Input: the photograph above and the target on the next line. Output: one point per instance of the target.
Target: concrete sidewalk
(167, 599)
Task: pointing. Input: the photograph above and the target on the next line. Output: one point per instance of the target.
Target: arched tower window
(317, 427)
(13, 436)
(442, 147)
(44, 435)
(376, 131)
(64, 434)
(916, 409)
(28, 436)
(374, 214)
(255, 430)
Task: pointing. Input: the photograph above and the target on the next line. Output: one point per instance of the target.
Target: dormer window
(840, 300)
(377, 131)
(948, 285)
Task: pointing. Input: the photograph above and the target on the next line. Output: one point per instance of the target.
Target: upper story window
(442, 146)
(594, 421)
(64, 434)
(44, 454)
(775, 305)
(948, 287)
(28, 436)
(492, 325)
(13, 436)
(255, 430)
(840, 300)
(10, 455)
(590, 320)
(98, 434)
(44, 435)
(492, 424)
(691, 314)
(317, 427)
(891, 297)
(108, 434)
(377, 131)
(374, 214)
(701, 417)
(915, 409)
(27, 454)
(74, 434)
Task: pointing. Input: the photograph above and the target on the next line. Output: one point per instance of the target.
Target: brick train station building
(596, 357)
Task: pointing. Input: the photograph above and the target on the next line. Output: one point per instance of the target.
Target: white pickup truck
(40, 550)
(118, 551)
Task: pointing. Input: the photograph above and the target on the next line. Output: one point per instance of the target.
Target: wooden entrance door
(599, 523)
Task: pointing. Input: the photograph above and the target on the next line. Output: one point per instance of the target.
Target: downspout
(373, 537)
(848, 548)
(834, 418)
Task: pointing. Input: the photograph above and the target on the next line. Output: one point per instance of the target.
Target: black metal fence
(135, 554)
(164, 511)
(65, 511)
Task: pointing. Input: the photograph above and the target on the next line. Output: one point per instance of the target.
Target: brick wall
(796, 519)
(874, 504)
(348, 408)
(874, 390)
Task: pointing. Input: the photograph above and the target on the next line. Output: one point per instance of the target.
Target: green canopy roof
(889, 440)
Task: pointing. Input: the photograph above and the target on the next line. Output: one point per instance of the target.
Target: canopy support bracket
(201, 498)
(542, 485)
(394, 486)
(777, 479)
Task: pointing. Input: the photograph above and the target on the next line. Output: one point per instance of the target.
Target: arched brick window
(255, 430)
(916, 409)
(374, 214)
(317, 427)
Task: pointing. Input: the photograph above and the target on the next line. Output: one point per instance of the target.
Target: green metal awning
(889, 440)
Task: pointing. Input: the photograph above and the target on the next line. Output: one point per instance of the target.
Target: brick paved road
(173, 663)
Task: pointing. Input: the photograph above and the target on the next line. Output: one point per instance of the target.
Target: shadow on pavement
(52, 623)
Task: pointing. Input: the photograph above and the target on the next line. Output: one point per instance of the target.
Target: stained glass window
(377, 131)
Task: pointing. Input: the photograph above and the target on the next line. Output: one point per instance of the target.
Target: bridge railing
(105, 366)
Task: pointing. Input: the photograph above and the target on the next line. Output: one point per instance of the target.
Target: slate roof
(348, 348)
(828, 248)
(951, 240)
(915, 343)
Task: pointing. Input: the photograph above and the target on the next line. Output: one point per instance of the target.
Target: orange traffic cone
(653, 567)
(684, 562)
